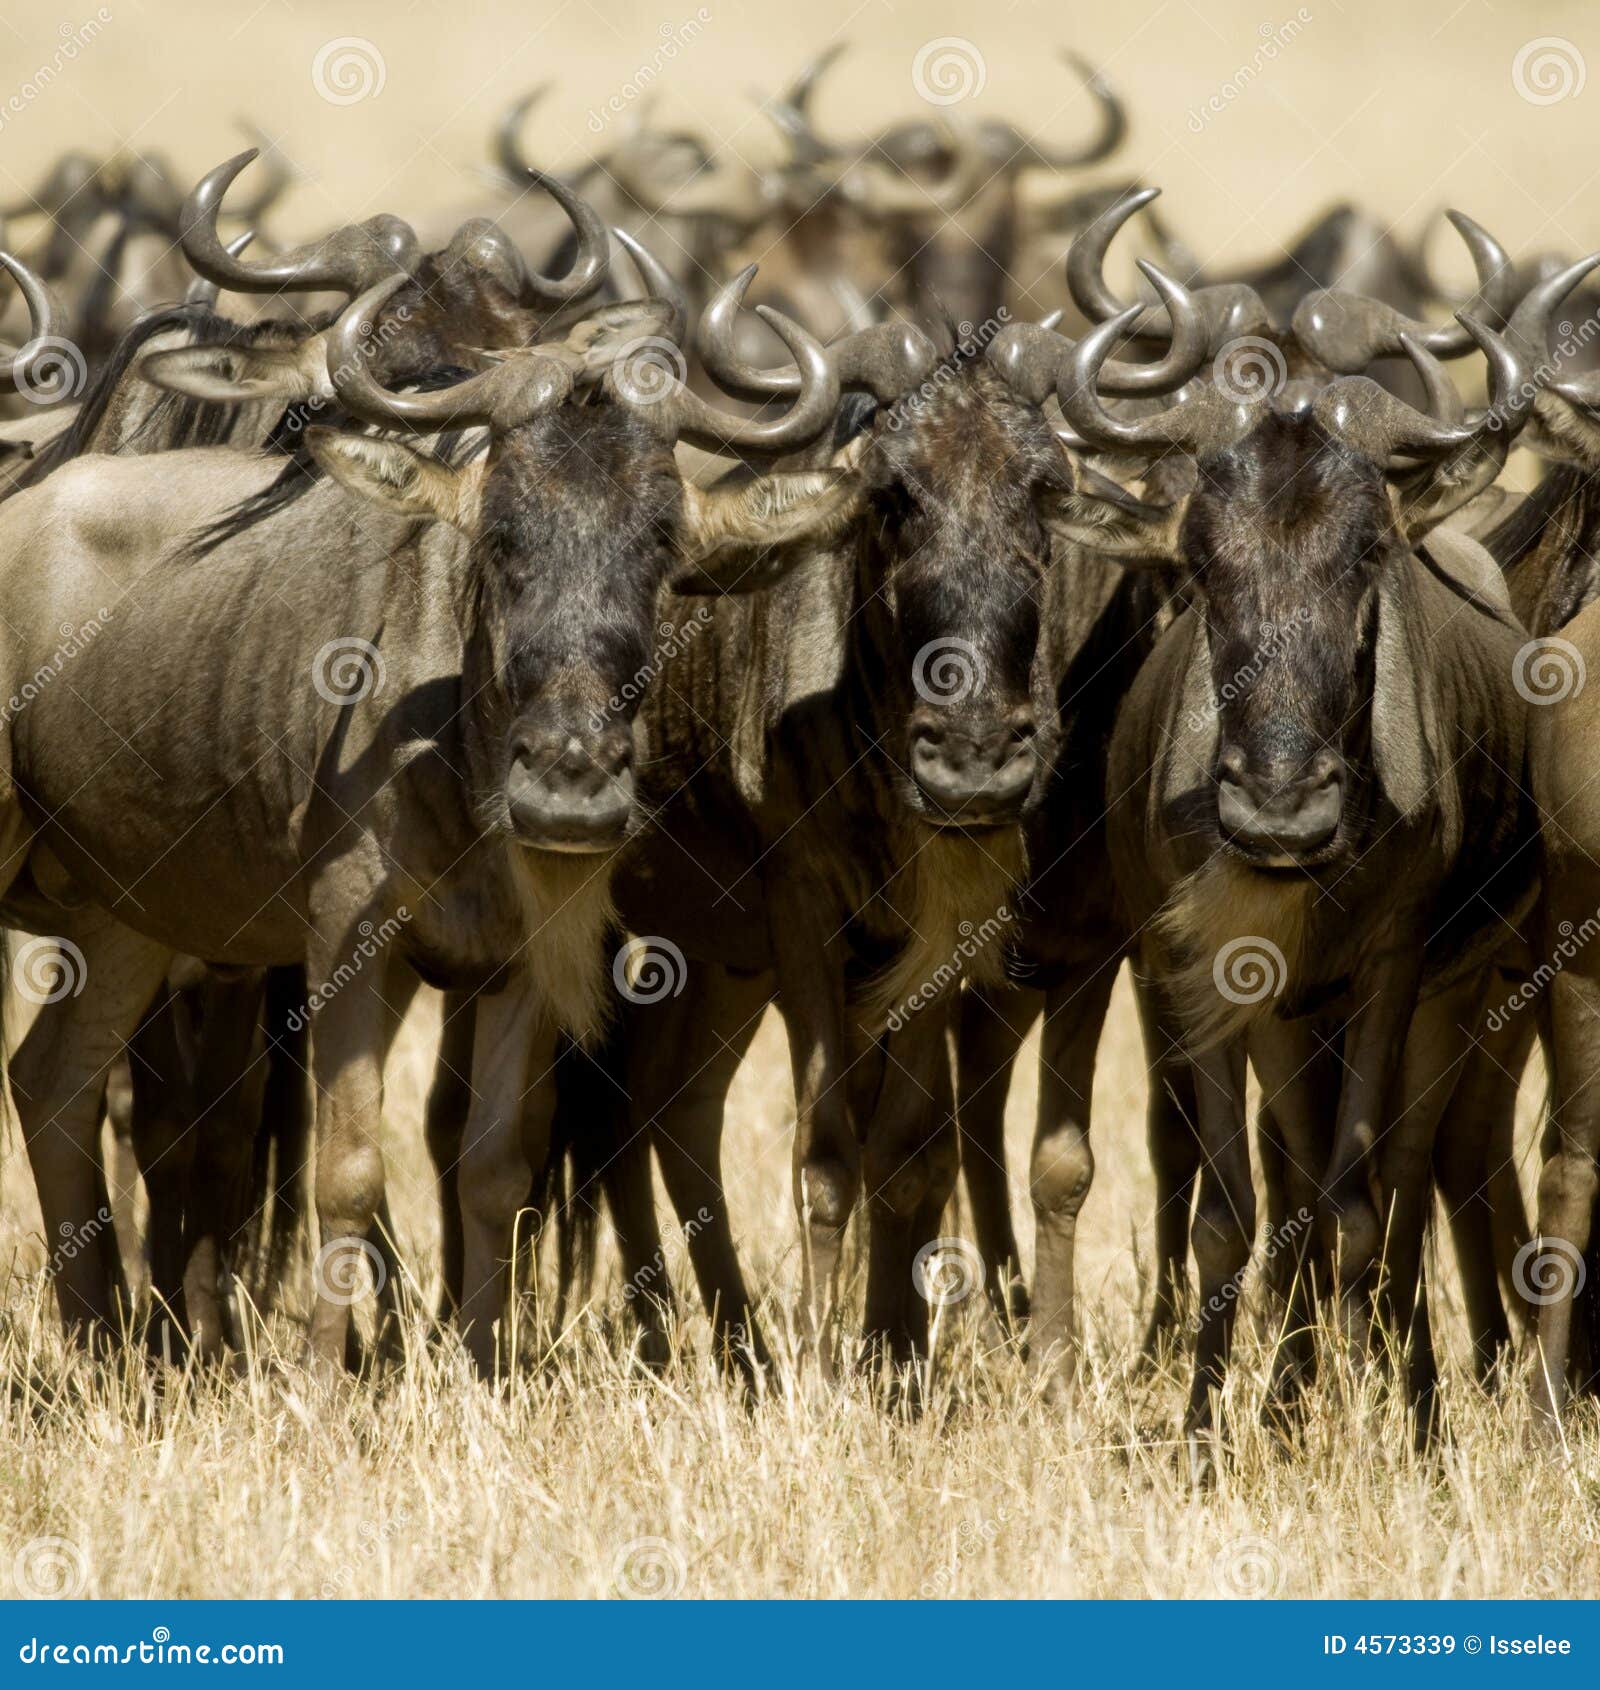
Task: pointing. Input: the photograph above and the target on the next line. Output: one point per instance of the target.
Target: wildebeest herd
(910, 657)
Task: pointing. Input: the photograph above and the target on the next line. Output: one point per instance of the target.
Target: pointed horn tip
(1054, 319)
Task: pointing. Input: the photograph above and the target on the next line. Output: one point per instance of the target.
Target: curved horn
(204, 292)
(45, 323)
(1370, 418)
(594, 248)
(349, 260)
(1033, 357)
(886, 360)
(1346, 331)
(1203, 419)
(659, 283)
(1113, 130)
(684, 415)
(275, 182)
(1228, 309)
(791, 110)
(1530, 326)
(504, 396)
(506, 148)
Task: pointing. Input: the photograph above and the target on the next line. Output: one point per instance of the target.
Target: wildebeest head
(1308, 695)
(574, 513)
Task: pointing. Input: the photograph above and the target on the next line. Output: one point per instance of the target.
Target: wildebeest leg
(283, 1144)
(58, 1081)
(990, 1028)
(449, 1099)
(1375, 1040)
(1436, 1052)
(1062, 1166)
(347, 1055)
(1476, 1174)
(827, 1158)
(225, 1145)
(1298, 1076)
(1171, 1130)
(1569, 1182)
(513, 1102)
(909, 1170)
(163, 1144)
(682, 1056)
(1224, 1222)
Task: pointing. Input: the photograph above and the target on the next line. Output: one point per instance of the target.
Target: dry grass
(587, 1478)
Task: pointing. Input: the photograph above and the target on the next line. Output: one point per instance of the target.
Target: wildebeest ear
(1104, 517)
(224, 374)
(391, 474)
(742, 538)
(1405, 708)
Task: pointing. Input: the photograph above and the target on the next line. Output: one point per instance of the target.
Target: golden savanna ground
(588, 1477)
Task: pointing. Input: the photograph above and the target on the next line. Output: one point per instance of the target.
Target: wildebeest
(1319, 772)
(390, 750)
